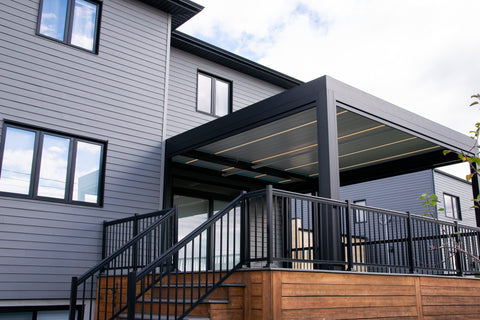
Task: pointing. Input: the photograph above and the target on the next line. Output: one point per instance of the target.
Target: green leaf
(445, 152)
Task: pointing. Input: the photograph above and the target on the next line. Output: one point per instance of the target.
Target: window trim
(457, 207)
(213, 93)
(36, 161)
(67, 37)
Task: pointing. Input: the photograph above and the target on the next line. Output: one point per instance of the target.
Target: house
(401, 193)
(108, 111)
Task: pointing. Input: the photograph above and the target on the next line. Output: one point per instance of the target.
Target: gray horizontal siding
(459, 188)
(115, 96)
(182, 93)
(399, 193)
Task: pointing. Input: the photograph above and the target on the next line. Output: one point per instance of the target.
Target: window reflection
(221, 96)
(54, 14)
(87, 170)
(53, 167)
(204, 93)
(84, 21)
(17, 161)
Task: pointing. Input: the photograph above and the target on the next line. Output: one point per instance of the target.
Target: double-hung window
(452, 206)
(213, 95)
(75, 22)
(45, 165)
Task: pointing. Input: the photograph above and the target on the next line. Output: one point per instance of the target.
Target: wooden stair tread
(187, 301)
(156, 317)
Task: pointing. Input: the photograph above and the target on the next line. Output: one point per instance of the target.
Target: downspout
(165, 110)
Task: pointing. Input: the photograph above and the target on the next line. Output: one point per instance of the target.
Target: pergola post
(328, 237)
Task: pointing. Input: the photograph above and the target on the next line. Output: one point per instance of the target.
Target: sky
(421, 55)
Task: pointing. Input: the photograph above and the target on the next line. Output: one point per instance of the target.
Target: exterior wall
(445, 183)
(398, 193)
(115, 96)
(182, 94)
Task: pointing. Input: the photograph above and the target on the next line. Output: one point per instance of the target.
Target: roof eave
(210, 52)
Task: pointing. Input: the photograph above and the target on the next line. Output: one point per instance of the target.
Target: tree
(430, 201)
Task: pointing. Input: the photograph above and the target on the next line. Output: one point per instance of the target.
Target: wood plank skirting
(279, 294)
(285, 294)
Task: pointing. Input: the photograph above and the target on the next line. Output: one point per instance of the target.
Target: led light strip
(377, 147)
(266, 137)
(388, 158)
(362, 131)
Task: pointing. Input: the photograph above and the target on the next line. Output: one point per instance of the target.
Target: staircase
(162, 302)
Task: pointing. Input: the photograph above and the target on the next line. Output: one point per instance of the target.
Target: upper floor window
(45, 165)
(452, 206)
(74, 22)
(213, 95)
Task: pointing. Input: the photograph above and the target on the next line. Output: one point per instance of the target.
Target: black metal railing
(280, 229)
(106, 282)
(184, 275)
(118, 232)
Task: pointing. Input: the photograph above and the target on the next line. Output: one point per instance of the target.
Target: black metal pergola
(312, 138)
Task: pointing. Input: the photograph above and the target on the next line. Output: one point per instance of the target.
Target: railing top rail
(126, 246)
(147, 269)
(137, 217)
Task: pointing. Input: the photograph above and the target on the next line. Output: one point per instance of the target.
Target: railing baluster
(411, 260)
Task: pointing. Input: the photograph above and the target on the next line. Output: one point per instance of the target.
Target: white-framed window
(452, 206)
(46, 165)
(360, 215)
(213, 95)
(74, 22)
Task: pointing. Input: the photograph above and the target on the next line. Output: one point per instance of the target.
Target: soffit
(285, 151)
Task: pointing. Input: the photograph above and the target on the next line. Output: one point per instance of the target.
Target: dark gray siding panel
(182, 92)
(445, 183)
(398, 193)
(115, 96)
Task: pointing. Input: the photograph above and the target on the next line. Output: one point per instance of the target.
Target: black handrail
(117, 232)
(137, 252)
(179, 280)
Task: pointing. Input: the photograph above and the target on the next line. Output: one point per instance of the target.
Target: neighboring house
(401, 193)
(107, 111)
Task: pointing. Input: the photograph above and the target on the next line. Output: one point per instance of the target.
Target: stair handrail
(167, 256)
(101, 266)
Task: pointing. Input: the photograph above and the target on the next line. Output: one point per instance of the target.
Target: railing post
(458, 257)
(73, 299)
(135, 247)
(411, 260)
(131, 295)
(269, 199)
(349, 237)
(243, 231)
(104, 240)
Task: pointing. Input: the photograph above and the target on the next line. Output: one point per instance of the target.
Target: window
(75, 22)
(360, 215)
(452, 206)
(213, 95)
(44, 165)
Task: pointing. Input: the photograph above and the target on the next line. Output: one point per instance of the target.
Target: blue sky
(423, 56)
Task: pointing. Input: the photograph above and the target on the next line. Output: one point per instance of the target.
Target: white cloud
(419, 55)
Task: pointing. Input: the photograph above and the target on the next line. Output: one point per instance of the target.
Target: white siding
(398, 193)
(460, 188)
(116, 96)
(182, 93)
